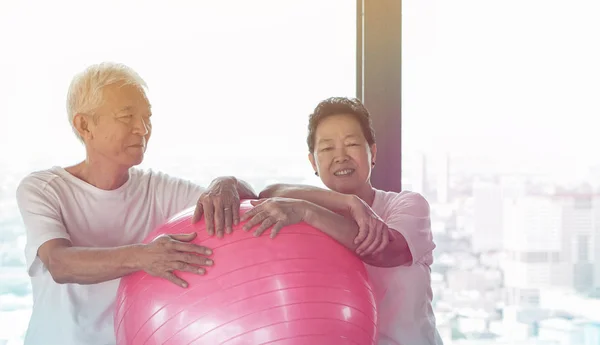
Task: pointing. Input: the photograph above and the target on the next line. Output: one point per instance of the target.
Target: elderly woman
(390, 231)
(85, 223)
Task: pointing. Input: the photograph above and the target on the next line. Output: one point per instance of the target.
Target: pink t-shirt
(404, 293)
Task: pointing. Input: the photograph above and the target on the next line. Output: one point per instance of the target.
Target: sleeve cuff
(35, 266)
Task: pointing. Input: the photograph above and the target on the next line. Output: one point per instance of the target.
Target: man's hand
(273, 212)
(220, 205)
(168, 253)
(373, 233)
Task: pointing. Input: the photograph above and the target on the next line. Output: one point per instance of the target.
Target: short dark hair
(337, 106)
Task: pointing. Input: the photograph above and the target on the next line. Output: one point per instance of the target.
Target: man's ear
(81, 122)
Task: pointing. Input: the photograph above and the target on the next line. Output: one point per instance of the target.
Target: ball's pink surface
(300, 288)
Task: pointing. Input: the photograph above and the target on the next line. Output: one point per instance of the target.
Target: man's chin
(134, 161)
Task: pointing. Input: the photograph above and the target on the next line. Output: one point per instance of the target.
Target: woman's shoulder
(394, 200)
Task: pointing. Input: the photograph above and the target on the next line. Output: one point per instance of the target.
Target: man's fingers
(197, 213)
(228, 214)
(264, 226)
(209, 217)
(219, 220)
(186, 267)
(170, 276)
(184, 237)
(236, 213)
(193, 259)
(192, 248)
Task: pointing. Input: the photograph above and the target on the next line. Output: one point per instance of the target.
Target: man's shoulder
(38, 179)
(151, 176)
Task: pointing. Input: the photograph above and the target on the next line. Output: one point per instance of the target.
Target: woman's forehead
(337, 126)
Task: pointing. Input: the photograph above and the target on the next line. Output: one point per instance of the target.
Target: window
(231, 83)
(503, 94)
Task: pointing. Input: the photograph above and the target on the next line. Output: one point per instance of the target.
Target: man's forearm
(243, 188)
(81, 265)
(334, 201)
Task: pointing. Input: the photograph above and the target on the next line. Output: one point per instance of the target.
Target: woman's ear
(373, 154)
(313, 162)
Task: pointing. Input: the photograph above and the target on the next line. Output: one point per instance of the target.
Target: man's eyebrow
(124, 109)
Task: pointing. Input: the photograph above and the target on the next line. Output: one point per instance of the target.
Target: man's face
(120, 129)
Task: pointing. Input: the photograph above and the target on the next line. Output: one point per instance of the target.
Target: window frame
(378, 83)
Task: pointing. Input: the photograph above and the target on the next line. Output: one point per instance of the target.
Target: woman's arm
(397, 251)
(333, 201)
(279, 212)
(340, 228)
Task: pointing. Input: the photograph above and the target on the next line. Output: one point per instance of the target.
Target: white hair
(85, 92)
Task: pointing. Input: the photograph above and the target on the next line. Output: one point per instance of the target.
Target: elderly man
(85, 223)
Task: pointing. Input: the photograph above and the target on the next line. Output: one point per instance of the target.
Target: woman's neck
(367, 194)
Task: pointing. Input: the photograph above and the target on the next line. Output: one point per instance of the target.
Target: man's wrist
(133, 257)
(225, 179)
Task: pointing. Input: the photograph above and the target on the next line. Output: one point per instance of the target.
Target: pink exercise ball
(300, 288)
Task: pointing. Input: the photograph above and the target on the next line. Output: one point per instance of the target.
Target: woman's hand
(373, 233)
(220, 205)
(275, 213)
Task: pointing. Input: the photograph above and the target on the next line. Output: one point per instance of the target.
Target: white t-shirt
(405, 313)
(55, 204)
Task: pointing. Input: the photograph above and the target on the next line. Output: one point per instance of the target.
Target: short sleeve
(175, 194)
(40, 210)
(408, 213)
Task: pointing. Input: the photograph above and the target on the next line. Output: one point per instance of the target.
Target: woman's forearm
(338, 227)
(334, 201)
(395, 254)
(323, 215)
(344, 231)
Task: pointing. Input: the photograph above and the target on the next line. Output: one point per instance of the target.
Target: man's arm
(81, 265)
(68, 264)
(49, 246)
(220, 204)
(244, 189)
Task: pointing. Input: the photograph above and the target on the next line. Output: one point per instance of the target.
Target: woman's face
(342, 155)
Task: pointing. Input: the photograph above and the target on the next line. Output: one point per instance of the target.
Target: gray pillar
(379, 53)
